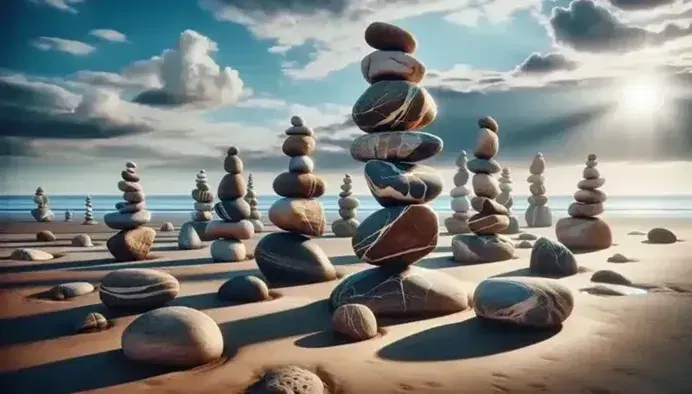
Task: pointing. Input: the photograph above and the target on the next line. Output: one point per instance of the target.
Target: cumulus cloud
(62, 5)
(539, 63)
(109, 35)
(640, 4)
(73, 47)
(588, 27)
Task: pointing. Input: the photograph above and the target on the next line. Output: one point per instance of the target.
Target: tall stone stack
(68, 215)
(233, 212)
(505, 198)
(583, 230)
(485, 244)
(88, 212)
(251, 198)
(133, 241)
(204, 206)
(348, 205)
(291, 257)
(392, 111)
(42, 212)
(538, 213)
(461, 203)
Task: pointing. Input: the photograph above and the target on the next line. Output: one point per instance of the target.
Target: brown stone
(488, 206)
(590, 196)
(387, 37)
(231, 186)
(302, 216)
(584, 233)
(483, 224)
(580, 210)
(487, 144)
(296, 185)
(233, 165)
(133, 244)
(355, 321)
(298, 145)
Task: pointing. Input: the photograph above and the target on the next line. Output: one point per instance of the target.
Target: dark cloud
(537, 63)
(17, 147)
(161, 98)
(632, 5)
(586, 26)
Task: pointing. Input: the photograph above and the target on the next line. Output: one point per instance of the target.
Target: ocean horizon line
(666, 195)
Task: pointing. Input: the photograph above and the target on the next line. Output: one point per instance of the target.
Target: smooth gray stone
(244, 288)
(343, 228)
(188, 239)
(232, 210)
(126, 221)
(71, 290)
(43, 215)
(301, 164)
(348, 203)
(660, 235)
(483, 166)
(476, 249)
(257, 224)
(538, 216)
(513, 226)
(551, 258)
(457, 226)
(228, 250)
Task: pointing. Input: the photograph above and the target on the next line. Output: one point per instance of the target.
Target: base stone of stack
(228, 250)
(476, 249)
(538, 216)
(289, 258)
(584, 233)
(42, 215)
(133, 244)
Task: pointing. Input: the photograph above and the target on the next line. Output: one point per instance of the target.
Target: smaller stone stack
(582, 230)
(133, 241)
(348, 205)
(505, 198)
(233, 212)
(42, 212)
(251, 198)
(88, 212)
(204, 205)
(68, 215)
(485, 245)
(459, 222)
(538, 213)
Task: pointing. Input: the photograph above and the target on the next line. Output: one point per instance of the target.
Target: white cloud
(335, 27)
(73, 47)
(262, 102)
(109, 35)
(62, 5)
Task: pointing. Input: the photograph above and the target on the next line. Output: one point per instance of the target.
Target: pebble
(618, 258)
(138, 288)
(289, 258)
(93, 322)
(131, 245)
(455, 225)
(228, 250)
(203, 196)
(394, 106)
(304, 216)
(66, 291)
(461, 177)
(45, 236)
(26, 254)
(355, 321)
(125, 207)
(345, 227)
(167, 227)
(301, 164)
(396, 146)
(244, 288)
(551, 258)
(188, 239)
(126, 186)
(533, 178)
(204, 206)
(537, 189)
(134, 197)
(661, 235)
(391, 65)
(233, 165)
(488, 206)
(82, 240)
(175, 336)
(591, 173)
(130, 177)
(387, 37)
(402, 183)
(477, 249)
(298, 145)
(584, 234)
(287, 380)
(487, 144)
(537, 165)
(612, 277)
(294, 185)
(591, 184)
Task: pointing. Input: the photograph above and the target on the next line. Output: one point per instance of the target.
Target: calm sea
(18, 207)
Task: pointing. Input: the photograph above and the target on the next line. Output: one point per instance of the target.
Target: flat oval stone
(133, 197)
(537, 189)
(298, 145)
(242, 229)
(461, 177)
(244, 288)
(391, 65)
(460, 204)
(551, 258)
(348, 203)
(231, 186)
(487, 144)
(131, 245)
(300, 130)
(228, 250)
(456, 226)
(398, 235)
(232, 210)
(394, 106)
(483, 224)
(591, 184)
(488, 206)
(393, 292)
(288, 258)
(125, 186)
(126, 221)
(396, 146)
(489, 123)
(174, 335)
(291, 184)
(661, 235)
(345, 227)
(525, 302)
(130, 207)
(459, 191)
(71, 290)
(203, 196)
(402, 183)
(485, 185)
(303, 216)
(483, 166)
(538, 200)
(301, 164)
(533, 178)
(537, 165)
(580, 210)
(591, 173)
(590, 196)
(137, 288)
(204, 206)
(584, 233)
(129, 176)
(477, 249)
(355, 321)
(387, 37)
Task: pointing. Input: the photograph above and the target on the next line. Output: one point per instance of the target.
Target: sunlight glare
(642, 96)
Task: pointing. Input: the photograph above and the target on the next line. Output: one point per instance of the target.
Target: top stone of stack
(386, 37)
(298, 127)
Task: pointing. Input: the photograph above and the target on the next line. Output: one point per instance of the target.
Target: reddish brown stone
(291, 184)
(387, 37)
(231, 186)
(131, 245)
(298, 145)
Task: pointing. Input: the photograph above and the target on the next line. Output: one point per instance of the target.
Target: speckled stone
(45, 236)
(551, 258)
(355, 321)
(287, 380)
(402, 183)
(396, 146)
(394, 106)
(93, 322)
(523, 301)
(131, 245)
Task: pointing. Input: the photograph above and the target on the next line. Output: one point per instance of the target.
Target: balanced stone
(505, 198)
(396, 146)
(301, 164)
(130, 207)
(489, 123)
(130, 176)
(485, 185)
(188, 238)
(133, 244)
(483, 166)
(391, 65)
(232, 164)
(347, 225)
(232, 210)
(591, 184)
(228, 250)
(355, 321)
(581, 210)
(202, 196)
(483, 224)
(244, 288)
(125, 186)
(255, 215)
(232, 186)
(175, 336)
(303, 216)
(551, 258)
(126, 221)
(88, 212)
(242, 229)
(537, 165)
(460, 203)
(584, 233)
(590, 196)
(528, 302)
(394, 106)
(487, 144)
(612, 277)
(402, 183)
(138, 288)
(387, 37)
(298, 145)
(477, 249)
(393, 292)
(291, 184)
(288, 258)
(398, 235)
(538, 214)
(591, 173)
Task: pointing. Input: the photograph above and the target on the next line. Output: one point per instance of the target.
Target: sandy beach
(625, 344)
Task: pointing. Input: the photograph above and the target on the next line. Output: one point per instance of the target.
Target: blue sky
(89, 76)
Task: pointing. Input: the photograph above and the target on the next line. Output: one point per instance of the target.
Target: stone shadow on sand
(470, 338)
(438, 262)
(527, 272)
(347, 259)
(67, 376)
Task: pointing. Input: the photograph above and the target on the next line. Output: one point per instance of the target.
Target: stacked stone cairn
(88, 212)
(204, 206)
(505, 198)
(348, 205)
(133, 241)
(251, 198)
(538, 213)
(461, 203)
(406, 229)
(233, 212)
(485, 245)
(68, 215)
(582, 230)
(291, 257)
(42, 212)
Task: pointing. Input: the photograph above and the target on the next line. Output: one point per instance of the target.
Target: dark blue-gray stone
(523, 301)
(475, 249)
(402, 183)
(233, 210)
(483, 166)
(551, 258)
(402, 292)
